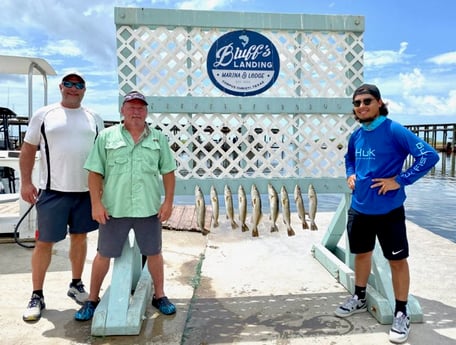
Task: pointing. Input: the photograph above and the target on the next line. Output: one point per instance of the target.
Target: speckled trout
(274, 207)
(215, 206)
(286, 210)
(300, 206)
(312, 206)
(200, 208)
(242, 204)
(256, 210)
(229, 206)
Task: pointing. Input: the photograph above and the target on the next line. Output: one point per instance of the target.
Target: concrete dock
(231, 288)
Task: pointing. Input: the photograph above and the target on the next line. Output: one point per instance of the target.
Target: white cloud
(62, 47)
(444, 59)
(412, 81)
(11, 42)
(380, 58)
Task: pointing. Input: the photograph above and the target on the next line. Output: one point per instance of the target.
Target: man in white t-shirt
(64, 134)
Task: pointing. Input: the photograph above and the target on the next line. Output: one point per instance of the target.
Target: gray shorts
(59, 213)
(113, 234)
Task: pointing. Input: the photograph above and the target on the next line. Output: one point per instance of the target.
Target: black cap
(368, 89)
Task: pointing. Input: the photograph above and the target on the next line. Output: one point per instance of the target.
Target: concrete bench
(122, 307)
(339, 262)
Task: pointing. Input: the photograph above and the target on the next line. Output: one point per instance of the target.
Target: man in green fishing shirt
(126, 167)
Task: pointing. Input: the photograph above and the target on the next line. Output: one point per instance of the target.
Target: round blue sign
(243, 63)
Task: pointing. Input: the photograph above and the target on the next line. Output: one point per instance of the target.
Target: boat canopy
(24, 65)
(30, 66)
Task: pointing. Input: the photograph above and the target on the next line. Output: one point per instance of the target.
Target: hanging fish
(300, 206)
(229, 206)
(200, 208)
(312, 207)
(215, 206)
(274, 207)
(286, 210)
(256, 210)
(242, 203)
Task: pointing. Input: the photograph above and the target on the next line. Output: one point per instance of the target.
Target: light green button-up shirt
(132, 172)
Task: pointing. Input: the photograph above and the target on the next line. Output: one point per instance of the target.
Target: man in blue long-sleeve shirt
(374, 161)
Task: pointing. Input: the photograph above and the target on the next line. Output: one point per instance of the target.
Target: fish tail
(290, 231)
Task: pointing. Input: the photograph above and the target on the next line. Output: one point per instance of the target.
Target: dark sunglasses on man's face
(366, 101)
(69, 84)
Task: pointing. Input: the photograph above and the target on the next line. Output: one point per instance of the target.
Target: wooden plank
(184, 218)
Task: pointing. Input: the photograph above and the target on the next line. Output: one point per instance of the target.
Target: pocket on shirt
(118, 165)
(117, 157)
(151, 158)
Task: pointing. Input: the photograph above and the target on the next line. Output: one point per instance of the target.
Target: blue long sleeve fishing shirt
(379, 152)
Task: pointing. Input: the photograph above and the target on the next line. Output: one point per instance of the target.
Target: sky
(410, 48)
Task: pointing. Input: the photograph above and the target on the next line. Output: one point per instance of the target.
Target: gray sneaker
(401, 328)
(34, 307)
(351, 306)
(78, 293)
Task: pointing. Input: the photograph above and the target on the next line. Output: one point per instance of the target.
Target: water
(430, 203)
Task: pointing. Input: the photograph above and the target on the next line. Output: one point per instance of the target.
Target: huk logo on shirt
(243, 63)
(365, 153)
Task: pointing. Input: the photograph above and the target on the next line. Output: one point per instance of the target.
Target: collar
(374, 124)
(146, 132)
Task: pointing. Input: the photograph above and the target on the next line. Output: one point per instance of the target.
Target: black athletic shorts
(389, 228)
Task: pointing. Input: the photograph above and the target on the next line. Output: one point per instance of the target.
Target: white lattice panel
(233, 146)
(299, 140)
(161, 61)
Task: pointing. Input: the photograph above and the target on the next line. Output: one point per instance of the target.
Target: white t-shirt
(69, 135)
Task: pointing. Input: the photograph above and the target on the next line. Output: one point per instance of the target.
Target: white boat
(10, 145)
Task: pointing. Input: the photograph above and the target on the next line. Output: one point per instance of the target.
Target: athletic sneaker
(351, 306)
(86, 312)
(164, 305)
(78, 293)
(34, 307)
(401, 328)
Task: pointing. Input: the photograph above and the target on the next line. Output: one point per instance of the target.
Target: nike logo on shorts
(395, 253)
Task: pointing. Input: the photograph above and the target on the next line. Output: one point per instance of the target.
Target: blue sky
(410, 50)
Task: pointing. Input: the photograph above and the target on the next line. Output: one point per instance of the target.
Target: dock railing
(443, 138)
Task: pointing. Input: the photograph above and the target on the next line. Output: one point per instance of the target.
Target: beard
(368, 119)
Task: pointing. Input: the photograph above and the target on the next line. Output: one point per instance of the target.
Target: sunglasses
(70, 84)
(366, 101)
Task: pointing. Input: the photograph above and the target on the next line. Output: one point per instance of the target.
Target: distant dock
(441, 136)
